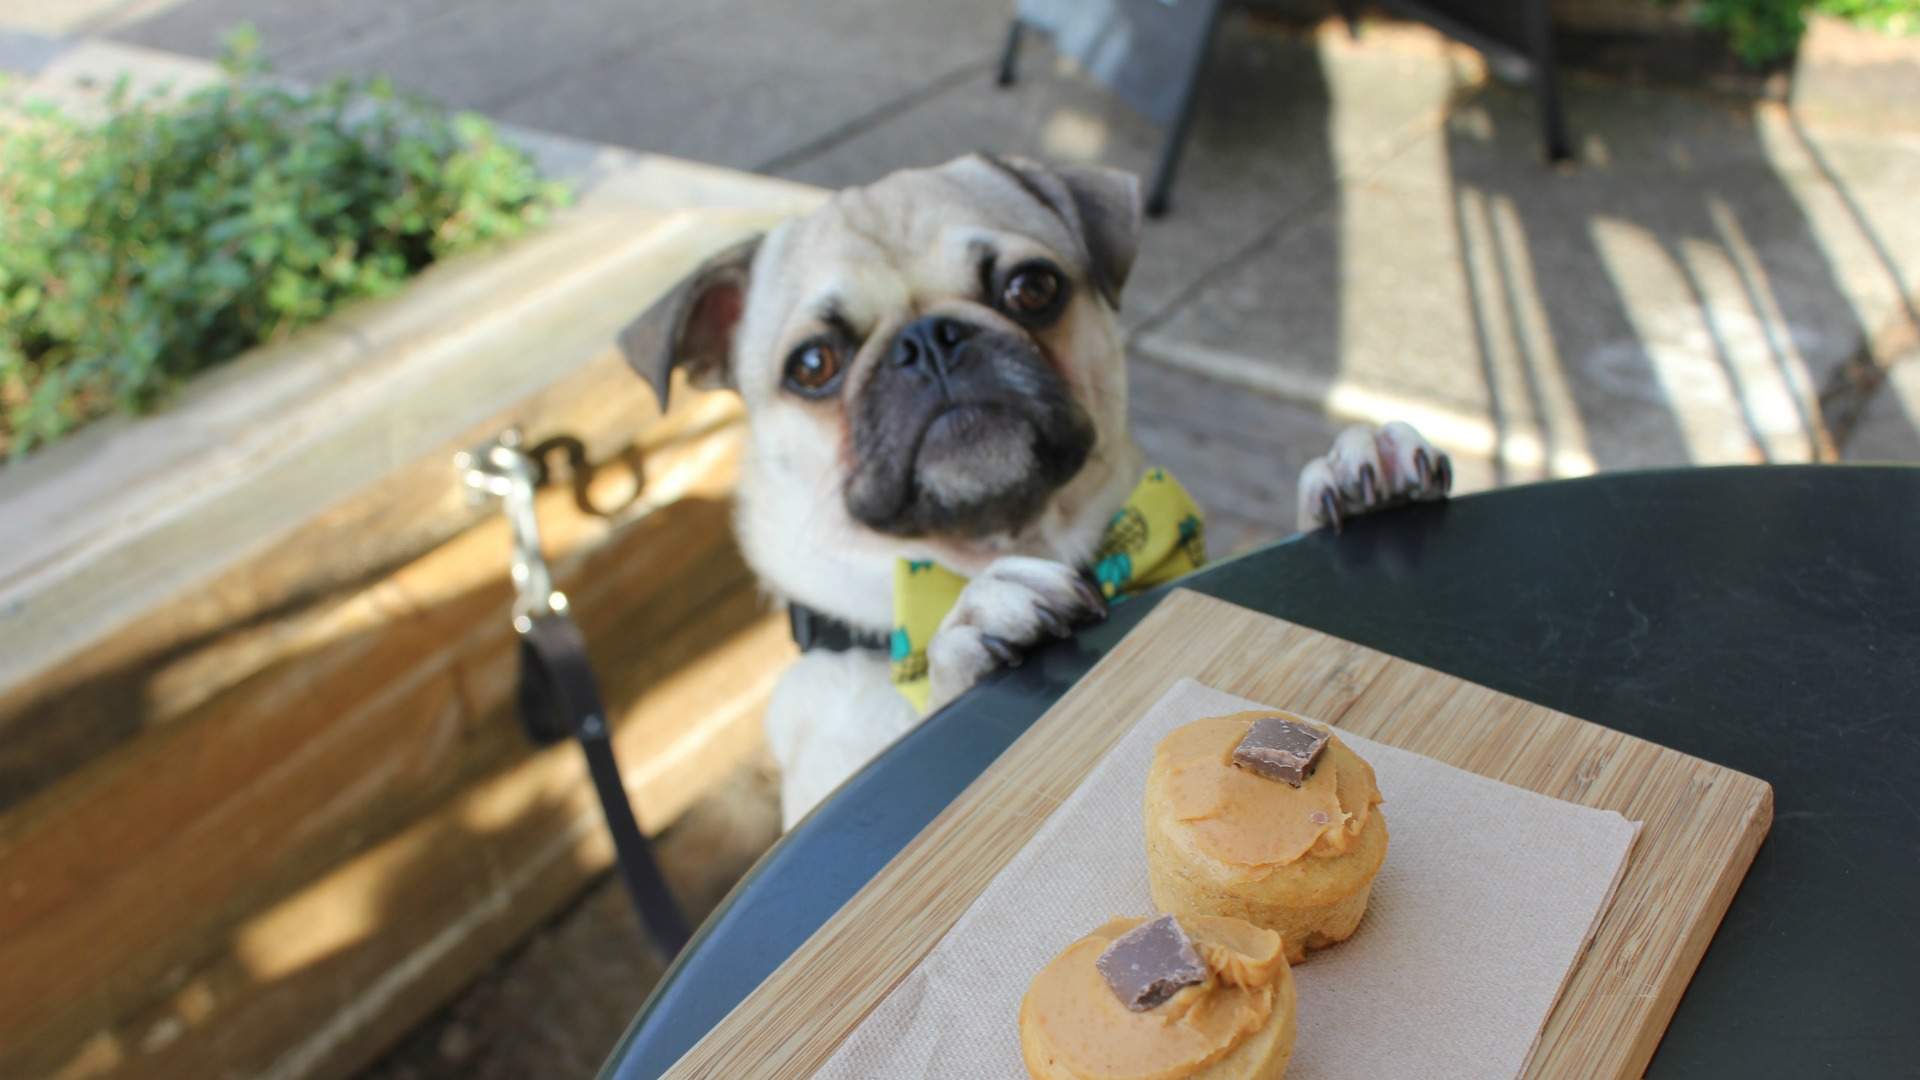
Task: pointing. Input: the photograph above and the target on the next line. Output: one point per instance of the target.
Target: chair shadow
(1690, 308)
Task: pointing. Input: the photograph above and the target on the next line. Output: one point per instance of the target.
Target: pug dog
(933, 369)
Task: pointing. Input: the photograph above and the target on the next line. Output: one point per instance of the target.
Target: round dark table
(1766, 618)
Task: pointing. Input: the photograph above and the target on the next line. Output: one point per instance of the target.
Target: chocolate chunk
(1281, 749)
(1151, 963)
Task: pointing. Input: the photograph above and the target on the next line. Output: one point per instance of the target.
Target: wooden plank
(319, 982)
(432, 620)
(1703, 824)
(345, 727)
(170, 658)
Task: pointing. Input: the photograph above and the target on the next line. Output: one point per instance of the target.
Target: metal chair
(1521, 48)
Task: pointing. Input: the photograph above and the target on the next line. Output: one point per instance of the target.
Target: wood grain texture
(1703, 824)
(320, 822)
(303, 862)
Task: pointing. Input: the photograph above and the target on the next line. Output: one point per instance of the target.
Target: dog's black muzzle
(961, 431)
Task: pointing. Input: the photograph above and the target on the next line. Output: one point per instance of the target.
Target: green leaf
(182, 230)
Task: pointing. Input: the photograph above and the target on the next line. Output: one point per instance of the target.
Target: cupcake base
(1312, 903)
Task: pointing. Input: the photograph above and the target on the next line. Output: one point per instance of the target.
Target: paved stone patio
(1362, 231)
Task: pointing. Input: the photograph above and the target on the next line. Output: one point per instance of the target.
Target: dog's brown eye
(1031, 290)
(813, 368)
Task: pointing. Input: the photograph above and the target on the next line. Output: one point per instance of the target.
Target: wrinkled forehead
(910, 237)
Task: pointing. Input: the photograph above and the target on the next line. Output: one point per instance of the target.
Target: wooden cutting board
(1703, 824)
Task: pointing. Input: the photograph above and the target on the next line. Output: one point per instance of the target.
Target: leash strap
(559, 697)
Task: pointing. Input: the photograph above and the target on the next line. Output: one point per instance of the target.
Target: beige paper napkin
(1488, 895)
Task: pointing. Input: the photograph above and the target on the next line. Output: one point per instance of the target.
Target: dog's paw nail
(1443, 475)
(1054, 623)
(1001, 650)
(1422, 469)
(1092, 597)
(1369, 485)
(1330, 510)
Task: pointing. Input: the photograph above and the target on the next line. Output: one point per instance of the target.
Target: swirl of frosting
(1091, 1035)
(1248, 820)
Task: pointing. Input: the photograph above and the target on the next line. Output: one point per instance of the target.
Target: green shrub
(1760, 31)
(1763, 31)
(178, 233)
(1892, 16)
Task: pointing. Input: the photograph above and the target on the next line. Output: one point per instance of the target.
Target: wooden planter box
(263, 801)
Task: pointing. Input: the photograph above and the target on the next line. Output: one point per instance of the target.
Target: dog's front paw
(1369, 470)
(1002, 613)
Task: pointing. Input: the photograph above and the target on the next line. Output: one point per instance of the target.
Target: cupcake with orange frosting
(1192, 998)
(1268, 817)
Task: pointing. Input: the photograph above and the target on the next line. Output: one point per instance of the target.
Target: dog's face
(936, 352)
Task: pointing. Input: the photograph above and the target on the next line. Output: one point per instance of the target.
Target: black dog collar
(813, 630)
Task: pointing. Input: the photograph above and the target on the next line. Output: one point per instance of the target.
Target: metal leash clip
(559, 695)
(499, 468)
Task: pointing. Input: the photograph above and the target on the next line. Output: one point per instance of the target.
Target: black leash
(559, 696)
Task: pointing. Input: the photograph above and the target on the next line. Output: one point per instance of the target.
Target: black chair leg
(1350, 11)
(1546, 82)
(1160, 189)
(1010, 55)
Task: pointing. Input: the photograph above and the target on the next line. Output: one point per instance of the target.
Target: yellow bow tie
(1156, 537)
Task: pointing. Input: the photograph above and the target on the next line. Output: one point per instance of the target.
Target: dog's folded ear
(1100, 205)
(692, 326)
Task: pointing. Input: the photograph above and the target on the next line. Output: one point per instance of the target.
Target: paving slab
(1282, 119)
(1857, 187)
(1851, 75)
(1683, 295)
(454, 54)
(749, 88)
(289, 29)
(735, 82)
(1889, 428)
(61, 16)
(1240, 454)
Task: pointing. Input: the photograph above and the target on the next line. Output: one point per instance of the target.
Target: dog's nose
(931, 341)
